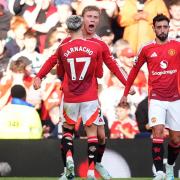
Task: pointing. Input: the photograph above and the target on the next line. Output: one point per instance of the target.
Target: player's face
(91, 20)
(161, 29)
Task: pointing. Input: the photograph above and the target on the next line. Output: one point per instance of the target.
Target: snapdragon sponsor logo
(154, 73)
(163, 64)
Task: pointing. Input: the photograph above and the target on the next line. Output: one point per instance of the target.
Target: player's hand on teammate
(132, 91)
(37, 83)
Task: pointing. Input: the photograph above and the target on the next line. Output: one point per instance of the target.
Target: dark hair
(18, 91)
(160, 17)
(91, 8)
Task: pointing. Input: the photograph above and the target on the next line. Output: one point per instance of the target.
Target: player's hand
(132, 91)
(123, 101)
(37, 83)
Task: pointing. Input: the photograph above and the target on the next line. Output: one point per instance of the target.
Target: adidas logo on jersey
(154, 54)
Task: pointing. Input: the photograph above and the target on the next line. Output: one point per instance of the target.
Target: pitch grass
(50, 178)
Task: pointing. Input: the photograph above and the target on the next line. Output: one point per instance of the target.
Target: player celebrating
(80, 62)
(91, 16)
(163, 61)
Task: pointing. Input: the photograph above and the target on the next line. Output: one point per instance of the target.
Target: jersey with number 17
(81, 61)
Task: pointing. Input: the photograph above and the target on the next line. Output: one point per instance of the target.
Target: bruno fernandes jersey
(163, 62)
(81, 61)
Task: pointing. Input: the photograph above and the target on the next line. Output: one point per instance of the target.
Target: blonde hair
(91, 8)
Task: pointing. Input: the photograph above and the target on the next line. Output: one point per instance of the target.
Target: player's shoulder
(97, 39)
(95, 46)
(94, 42)
(65, 41)
(174, 40)
(146, 46)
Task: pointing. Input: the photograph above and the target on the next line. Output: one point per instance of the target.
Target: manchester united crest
(171, 52)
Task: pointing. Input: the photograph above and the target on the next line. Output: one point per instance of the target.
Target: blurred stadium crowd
(31, 30)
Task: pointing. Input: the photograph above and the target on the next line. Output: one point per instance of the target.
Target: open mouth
(91, 26)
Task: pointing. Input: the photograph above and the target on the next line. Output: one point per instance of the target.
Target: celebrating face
(91, 20)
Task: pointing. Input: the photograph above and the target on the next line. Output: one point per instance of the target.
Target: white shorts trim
(84, 110)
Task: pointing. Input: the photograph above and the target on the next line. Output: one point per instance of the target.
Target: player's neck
(158, 41)
(77, 35)
(87, 35)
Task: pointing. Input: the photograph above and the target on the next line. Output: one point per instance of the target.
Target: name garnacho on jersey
(82, 63)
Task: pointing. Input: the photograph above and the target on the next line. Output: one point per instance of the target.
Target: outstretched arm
(140, 60)
(48, 65)
(112, 64)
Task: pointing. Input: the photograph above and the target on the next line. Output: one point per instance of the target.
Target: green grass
(50, 178)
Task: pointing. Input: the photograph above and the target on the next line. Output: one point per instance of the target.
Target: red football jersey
(163, 62)
(108, 59)
(82, 63)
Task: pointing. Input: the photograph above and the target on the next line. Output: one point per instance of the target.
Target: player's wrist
(38, 77)
(125, 94)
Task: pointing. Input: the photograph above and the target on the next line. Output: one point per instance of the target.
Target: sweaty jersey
(163, 62)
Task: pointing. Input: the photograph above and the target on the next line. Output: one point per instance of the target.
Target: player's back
(107, 57)
(82, 62)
